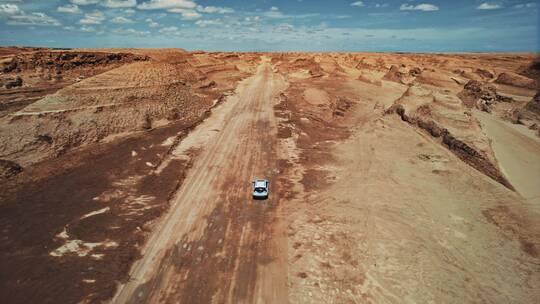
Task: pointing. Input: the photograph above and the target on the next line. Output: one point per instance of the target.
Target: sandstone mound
(316, 96)
(12, 50)
(65, 60)
(481, 96)
(309, 64)
(96, 108)
(532, 70)
(484, 73)
(471, 151)
(363, 65)
(328, 65)
(9, 169)
(138, 96)
(416, 71)
(534, 104)
(10, 82)
(516, 80)
(367, 63)
(28, 76)
(394, 75)
(367, 79)
(467, 74)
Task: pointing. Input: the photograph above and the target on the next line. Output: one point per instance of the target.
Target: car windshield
(260, 189)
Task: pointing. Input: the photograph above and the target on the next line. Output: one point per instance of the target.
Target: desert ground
(125, 177)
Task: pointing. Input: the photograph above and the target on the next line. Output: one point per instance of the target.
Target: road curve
(215, 244)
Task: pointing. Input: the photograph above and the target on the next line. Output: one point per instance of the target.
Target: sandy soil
(393, 178)
(518, 152)
(387, 208)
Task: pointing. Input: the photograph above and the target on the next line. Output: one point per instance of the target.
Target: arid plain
(125, 177)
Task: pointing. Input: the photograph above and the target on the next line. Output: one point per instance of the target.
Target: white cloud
(249, 21)
(84, 2)
(205, 23)
(283, 28)
(131, 31)
(380, 5)
(95, 17)
(426, 7)
(119, 3)
(69, 8)
(121, 20)
(107, 3)
(169, 29)
(166, 4)
(152, 23)
(87, 29)
(187, 14)
(489, 6)
(39, 19)
(214, 9)
(525, 5)
(358, 3)
(190, 15)
(274, 13)
(9, 9)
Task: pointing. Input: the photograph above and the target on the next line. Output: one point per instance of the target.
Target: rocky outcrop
(125, 99)
(532, 71)
(55, 60)
(484, 73)
(475, 94)
(394, 75)
(13, 83)
(309, 64)
(534, 104)
(464, 151)
(365, 79)
(9, 169)
(415, 71)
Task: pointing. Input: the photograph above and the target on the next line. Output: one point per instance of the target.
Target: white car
(260, 189)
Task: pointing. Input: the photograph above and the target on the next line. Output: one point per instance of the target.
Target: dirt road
(214, 227)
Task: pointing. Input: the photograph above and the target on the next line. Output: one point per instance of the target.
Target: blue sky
(275, 25)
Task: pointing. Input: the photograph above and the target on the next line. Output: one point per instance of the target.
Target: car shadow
(260, 198)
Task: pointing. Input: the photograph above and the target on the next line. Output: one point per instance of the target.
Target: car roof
(260, 183)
